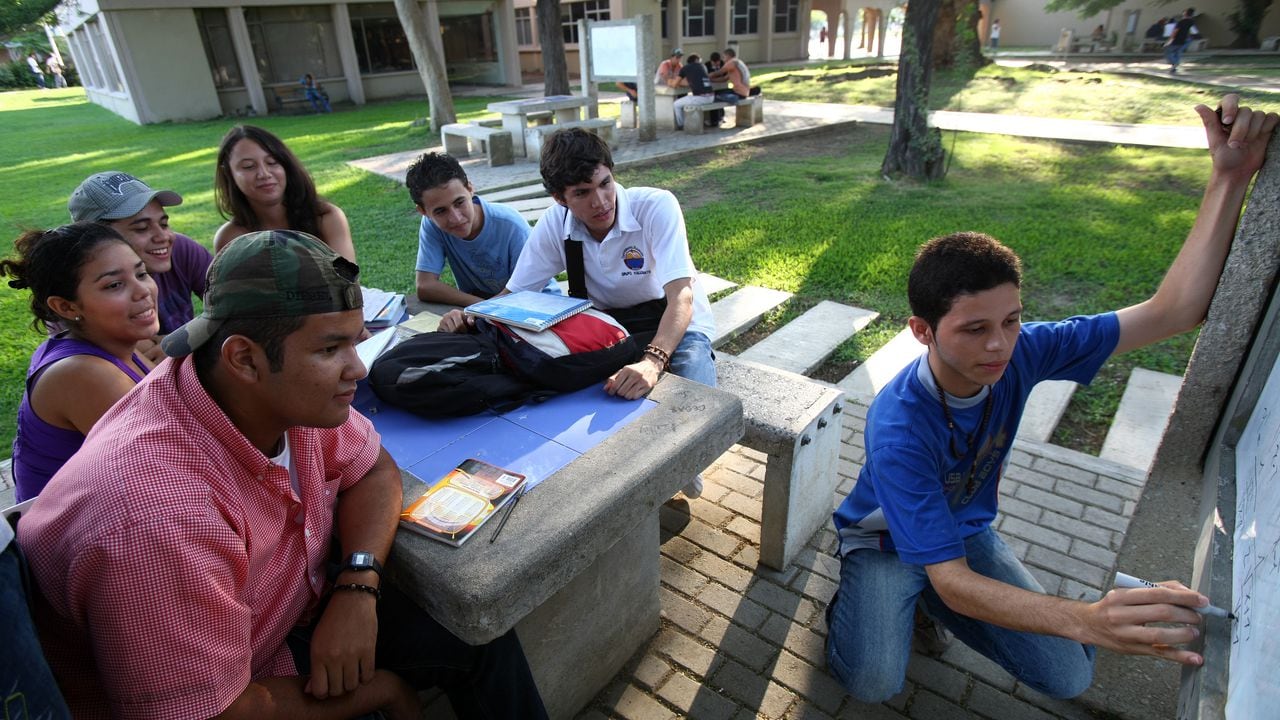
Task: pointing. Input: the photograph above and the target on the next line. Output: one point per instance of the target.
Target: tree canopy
(17, 14)
(1083, 8)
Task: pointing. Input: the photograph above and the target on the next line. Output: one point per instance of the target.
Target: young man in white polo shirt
(636, 262)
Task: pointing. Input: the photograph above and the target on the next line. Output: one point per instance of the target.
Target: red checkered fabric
(174, 557)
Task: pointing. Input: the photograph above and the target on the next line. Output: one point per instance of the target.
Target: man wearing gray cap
(185, 556)
(176, 262)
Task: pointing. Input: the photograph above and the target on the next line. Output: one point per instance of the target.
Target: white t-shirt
(646, 249)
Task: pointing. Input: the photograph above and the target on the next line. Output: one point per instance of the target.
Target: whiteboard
(1254, 683)
(613, 51)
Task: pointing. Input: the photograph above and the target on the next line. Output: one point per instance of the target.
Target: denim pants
(871, 618)
(28, 689)
(487, 681)
(694, 360)
(1173, 53)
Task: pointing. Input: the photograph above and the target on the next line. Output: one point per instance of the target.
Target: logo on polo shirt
(633, 258)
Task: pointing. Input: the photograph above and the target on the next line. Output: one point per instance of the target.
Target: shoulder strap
(573, 263)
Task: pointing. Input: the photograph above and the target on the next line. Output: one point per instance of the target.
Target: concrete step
(1044, 409)
(534, 203)
(7, 488)
(806, 342)
(867, 379)
(712, 283)
(516, 193)
(736, 313)
(1139, 423)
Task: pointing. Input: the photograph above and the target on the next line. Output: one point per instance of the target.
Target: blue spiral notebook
(529, 309)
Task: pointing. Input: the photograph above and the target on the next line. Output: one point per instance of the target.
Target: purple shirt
(40, 449)
(185, 278)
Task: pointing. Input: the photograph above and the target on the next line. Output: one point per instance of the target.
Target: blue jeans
(694, 360)
(872, 615)
(728, 96)
(28, 689)
(1173, 53)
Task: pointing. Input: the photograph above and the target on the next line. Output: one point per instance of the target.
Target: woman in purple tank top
(85, 277)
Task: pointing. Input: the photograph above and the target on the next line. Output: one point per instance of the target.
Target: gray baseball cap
(113, 195)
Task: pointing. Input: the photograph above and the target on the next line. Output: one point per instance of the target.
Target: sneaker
(929, 636)
(694, 489)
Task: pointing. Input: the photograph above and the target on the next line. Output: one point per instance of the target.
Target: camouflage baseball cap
(269, 274)
(113, 195)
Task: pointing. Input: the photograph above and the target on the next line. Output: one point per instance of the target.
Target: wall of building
(1025, 22)
(166, 65)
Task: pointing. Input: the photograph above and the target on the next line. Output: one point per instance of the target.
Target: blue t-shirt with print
(481, 266)
(913, 495)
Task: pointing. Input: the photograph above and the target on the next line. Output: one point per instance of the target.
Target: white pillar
(504, 17)
(724, 21)
(347, 53)
(675, 22)
(765, 28)
(83, 58)
(884, 28)
(244, 55)
(848, 14)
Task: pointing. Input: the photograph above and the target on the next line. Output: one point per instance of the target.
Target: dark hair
(303, 207)
(730, 52)
(432, 170)
(692, 58)
(715, 57)
(49, 263)
(961, 263)
(570, 157)
(266, 332)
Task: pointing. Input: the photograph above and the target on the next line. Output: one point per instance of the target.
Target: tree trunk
(1245, 22)
(429, 56)
(915, 149)
(555, 71)
(955, 35)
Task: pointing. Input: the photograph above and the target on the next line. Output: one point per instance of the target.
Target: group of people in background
(53, 64)
(700, 77)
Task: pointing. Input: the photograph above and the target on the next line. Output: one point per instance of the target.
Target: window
(662, 14)
(571, 13)
(102, 53)
(699, 18)
(786, 15)
(746, 14)
(381, 46)
(468, 39)
(524, 26)
(289, 42)
(215, 34)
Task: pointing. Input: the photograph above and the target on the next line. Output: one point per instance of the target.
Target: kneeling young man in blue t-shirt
(480, 240)
(917, 525)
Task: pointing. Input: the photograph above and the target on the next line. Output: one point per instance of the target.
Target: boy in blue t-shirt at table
(480, 240)
(917, 526)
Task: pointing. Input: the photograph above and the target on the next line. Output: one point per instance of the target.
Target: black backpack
(440, 374)
(575, 353)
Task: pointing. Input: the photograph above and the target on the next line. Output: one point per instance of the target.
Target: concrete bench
(796, 421)
(495, 142)
(627, 115)
(604, 127)
(546, 117)
(696, 115)
(749, 111)
(1270, 44)
(285, 98)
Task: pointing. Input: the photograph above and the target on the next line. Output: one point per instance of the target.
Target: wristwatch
(360, 561)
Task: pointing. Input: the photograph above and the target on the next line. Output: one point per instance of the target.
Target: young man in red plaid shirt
(181, 556)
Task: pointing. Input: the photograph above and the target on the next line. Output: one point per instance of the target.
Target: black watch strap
(361, 560)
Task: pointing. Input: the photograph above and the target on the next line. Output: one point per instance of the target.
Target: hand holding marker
(1129, 581)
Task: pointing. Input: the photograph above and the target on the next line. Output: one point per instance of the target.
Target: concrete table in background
(576, 568)
(515, 113)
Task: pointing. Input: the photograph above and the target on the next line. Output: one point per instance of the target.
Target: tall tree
(555, 70)
(915, 149)
(429, 56)
(955, 35)
(17, 14)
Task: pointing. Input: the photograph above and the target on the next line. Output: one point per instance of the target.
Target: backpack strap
(574, 264)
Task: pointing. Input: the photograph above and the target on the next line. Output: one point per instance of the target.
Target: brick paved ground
(742, 641)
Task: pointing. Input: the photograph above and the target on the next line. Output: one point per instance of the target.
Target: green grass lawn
(1010, 91)
(1096, 225)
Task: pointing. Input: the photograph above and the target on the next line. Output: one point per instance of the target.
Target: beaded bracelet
(659, 354)
(357, 587)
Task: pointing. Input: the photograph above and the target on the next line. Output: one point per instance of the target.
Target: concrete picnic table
(515, 113)
(576, 568)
